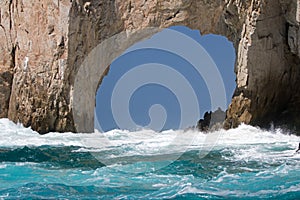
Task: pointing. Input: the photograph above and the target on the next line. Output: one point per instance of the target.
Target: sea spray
(245, 163)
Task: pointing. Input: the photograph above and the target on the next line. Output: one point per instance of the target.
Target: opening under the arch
(167, 82)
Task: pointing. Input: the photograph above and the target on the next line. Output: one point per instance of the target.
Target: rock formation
(44, 43)
(203, 124)
(212, 120)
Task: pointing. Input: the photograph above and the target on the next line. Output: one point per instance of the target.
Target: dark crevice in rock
(13, 55)
(174, 15)
(10, 14)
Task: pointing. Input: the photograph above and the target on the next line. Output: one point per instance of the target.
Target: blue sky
(219, 48)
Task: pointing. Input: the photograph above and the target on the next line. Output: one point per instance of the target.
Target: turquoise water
(244, 163)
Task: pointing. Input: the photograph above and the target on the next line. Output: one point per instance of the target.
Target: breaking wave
(243, 163)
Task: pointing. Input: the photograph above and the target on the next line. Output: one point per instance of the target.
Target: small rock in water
(212, 121)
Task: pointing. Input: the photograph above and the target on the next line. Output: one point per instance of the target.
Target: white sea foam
(147, 142)
(3, 166)
(260, 163)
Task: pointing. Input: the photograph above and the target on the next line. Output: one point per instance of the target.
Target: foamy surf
(17, 135)
(242, 163)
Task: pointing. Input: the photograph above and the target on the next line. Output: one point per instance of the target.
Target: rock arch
(265, 34)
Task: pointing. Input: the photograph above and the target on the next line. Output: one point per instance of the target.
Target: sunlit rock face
(43, 44)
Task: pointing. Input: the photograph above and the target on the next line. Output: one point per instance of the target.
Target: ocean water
(243, 163)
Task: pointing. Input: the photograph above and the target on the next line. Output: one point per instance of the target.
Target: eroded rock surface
(44, 43)
(267, 66)
(34, 46)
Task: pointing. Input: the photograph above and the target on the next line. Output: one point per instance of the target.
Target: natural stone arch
(173, 13)
(265, 34)
(258, 30)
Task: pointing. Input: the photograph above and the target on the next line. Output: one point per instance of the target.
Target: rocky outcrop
(203, 124)
(44, 43)
(267, 66)
(212, 120)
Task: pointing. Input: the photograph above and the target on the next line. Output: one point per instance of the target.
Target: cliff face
(44, 43)
(34, 53)
(268, 66)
